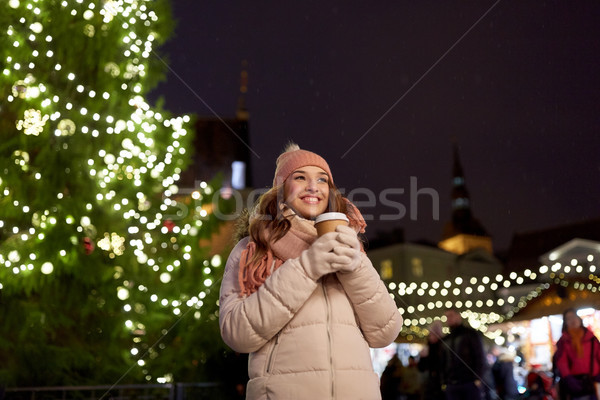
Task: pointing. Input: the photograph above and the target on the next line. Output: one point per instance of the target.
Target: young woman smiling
(306, 308)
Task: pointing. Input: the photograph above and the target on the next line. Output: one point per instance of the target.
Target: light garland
(491, 307)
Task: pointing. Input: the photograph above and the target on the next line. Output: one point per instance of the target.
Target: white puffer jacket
(306, 339)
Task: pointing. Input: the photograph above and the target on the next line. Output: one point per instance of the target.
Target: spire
(463, 232)
(460, 194)
(462, 219)
(242, 112)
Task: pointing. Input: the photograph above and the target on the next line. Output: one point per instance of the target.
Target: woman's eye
(299, 177)
(325, 180)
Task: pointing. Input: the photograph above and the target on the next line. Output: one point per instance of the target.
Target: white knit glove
(318, 258)
(348, 248)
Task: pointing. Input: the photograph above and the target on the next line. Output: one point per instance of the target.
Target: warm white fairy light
(47, 268)
(486, 302)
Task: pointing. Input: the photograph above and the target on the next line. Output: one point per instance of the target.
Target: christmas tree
(100, 267)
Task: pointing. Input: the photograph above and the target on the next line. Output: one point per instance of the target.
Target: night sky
(382, 90)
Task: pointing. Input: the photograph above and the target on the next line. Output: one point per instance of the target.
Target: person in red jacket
(577, 358)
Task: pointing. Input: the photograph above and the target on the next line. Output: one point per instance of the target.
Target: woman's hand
(348, 248)
(318, 259)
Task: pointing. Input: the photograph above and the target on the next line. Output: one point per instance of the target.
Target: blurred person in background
(464, 362)
(503, 374)
(430, 362)
(411, 380)
(577, 359)
(391, 379)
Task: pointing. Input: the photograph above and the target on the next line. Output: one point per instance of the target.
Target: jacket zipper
(329, 345)
(272, 354)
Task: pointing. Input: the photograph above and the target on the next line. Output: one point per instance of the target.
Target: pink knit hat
(293, 158)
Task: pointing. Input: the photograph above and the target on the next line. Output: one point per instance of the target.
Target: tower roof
(462, 221)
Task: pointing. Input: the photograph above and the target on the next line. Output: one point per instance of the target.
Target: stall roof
(527, 247)
(556, 299)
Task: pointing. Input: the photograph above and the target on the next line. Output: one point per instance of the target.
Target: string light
(488, 308)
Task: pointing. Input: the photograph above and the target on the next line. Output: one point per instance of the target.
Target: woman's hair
(568, 310)
(267, 223)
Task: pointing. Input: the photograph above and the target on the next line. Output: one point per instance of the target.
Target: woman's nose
(311, 185)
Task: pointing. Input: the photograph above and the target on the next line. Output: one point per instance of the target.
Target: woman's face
(572, 320)
(306, 191)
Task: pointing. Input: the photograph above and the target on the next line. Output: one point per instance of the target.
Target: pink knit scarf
(297, 239)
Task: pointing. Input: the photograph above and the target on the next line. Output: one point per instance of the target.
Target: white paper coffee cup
(327, 222)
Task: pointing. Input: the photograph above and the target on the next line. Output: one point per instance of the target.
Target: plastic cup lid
(328, 216)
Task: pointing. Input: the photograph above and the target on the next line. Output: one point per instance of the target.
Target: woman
(307, 309)
(577, 356)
